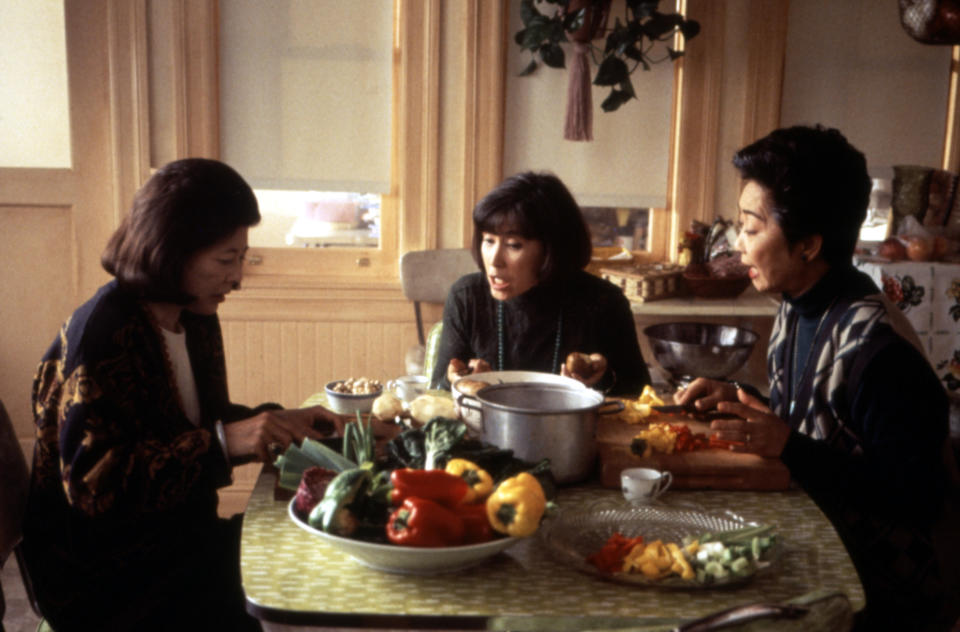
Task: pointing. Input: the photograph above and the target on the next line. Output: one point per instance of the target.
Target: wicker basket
(704, 286)
(645, 282)
(601, 259)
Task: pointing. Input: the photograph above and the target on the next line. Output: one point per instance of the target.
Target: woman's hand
(457, 368)
(588, 369)
(760, 431)
(270, 432)
(705, 394)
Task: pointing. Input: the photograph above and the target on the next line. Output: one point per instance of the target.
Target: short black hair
(186, 206)
(536, 206)
(818, 182)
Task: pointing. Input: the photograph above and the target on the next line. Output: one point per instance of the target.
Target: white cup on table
(642, 485)
(408, 387)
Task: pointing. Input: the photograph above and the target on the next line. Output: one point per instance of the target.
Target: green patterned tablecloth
(291, 576)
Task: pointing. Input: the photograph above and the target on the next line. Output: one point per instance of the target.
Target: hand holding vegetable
(760, 430)
(588, 369)
(275, 429)
(704, 394)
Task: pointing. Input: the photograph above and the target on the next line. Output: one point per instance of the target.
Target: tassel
(579, 123)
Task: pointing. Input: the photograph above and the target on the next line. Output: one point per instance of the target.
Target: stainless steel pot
(539, 421)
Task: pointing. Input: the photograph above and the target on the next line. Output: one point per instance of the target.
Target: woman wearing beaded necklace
(135, 430)
(533, 304)
(855, 410)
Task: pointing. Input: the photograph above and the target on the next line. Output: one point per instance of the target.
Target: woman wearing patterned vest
(855, 410)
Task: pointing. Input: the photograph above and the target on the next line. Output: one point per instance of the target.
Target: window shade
(305, 93)
(625, 166)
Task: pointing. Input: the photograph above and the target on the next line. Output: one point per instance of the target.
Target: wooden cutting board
(701, 469)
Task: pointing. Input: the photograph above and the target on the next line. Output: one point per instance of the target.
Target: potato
(387, 406)
(470, 387)
(426, 407)
(579, 364)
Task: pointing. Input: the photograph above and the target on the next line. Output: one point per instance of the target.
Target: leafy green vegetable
(440, 436)
(409, 449)
(358, 441)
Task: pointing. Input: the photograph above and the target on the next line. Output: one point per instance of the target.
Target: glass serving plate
(572, 535)
(407, 559)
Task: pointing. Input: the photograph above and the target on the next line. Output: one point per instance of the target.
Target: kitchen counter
(750, 303)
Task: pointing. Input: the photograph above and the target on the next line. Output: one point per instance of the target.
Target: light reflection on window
(316, 219)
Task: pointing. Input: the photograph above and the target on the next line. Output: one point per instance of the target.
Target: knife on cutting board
(690, 411)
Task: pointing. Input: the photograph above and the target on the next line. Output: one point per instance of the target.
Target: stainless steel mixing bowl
(689, 350)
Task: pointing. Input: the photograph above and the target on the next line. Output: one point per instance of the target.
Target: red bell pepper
(476, 524)
(425, 523)
(436, 485)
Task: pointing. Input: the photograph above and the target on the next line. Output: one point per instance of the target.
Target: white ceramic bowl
(472, 418)
(348, 403)
(409, 560)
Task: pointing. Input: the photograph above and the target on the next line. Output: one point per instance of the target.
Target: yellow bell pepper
(680, 564)
(516, 505)
(478, 481)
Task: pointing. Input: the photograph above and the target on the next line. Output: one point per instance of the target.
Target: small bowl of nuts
(353, 395)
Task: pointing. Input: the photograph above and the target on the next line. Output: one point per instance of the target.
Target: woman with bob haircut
(855, 412)
(532, 304)
(135, 429)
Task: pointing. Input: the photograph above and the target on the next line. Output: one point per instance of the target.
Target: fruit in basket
(892, 249)
(919, 248)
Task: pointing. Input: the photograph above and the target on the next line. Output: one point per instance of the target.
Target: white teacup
(644, 484)
(408, 387)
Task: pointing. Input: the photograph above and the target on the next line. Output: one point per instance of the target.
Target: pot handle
(464, 400)
(467, 401)
(610, 406)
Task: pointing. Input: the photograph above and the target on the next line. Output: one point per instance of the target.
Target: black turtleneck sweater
(591, 315)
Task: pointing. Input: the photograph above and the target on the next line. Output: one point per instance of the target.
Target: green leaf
(552, 55)
(661, 24)
(690, 28)
(527, 12)
(529, 69)
(532, 37)
(612, 71)
(641, 9)
(633, 53)
(614, 100)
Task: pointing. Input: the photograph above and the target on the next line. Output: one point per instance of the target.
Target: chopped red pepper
(425, 523)
(476, 524)
(610, 558)
(437, 485)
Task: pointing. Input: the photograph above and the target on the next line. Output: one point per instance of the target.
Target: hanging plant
(629, 44)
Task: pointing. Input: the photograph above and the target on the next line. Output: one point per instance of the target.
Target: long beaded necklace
(794, 375)
(500, 337)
